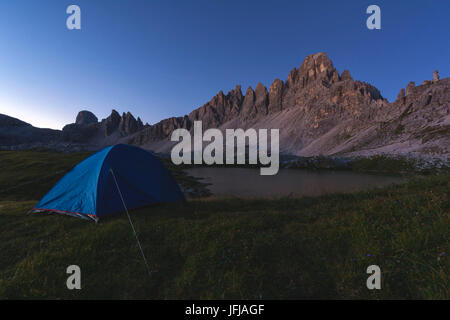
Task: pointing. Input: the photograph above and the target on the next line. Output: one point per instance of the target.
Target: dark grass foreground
(233, 249)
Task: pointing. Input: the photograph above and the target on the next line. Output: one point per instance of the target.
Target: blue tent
(90, 191)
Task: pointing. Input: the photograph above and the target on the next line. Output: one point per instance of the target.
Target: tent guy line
(131, 223)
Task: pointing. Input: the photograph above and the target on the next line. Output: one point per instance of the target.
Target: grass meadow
(208, 248)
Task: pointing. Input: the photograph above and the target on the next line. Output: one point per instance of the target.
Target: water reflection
(248, 183)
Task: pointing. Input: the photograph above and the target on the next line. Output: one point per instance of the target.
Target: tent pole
(131, 223)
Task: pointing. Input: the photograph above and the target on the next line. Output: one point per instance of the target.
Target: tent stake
(131, 223)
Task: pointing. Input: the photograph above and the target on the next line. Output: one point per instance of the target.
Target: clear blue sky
(164, 58)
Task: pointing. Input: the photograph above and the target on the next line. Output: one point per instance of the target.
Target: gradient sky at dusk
(164, 58)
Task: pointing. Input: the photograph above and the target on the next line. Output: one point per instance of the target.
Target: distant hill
(318, 110)
(16, 132)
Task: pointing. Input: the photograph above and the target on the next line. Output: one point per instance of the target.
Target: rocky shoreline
(401, 164)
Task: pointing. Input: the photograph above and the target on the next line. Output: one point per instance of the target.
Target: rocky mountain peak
(114, 114)
(128, 124)
(435, 76)
(261, 99)
(316, 66)
(291, 78)
(410, 88)
(275, 96)
(112, 122)
(346, 75)
(247, 105)
(260, 90)
(236, 93)
(139, 121)
(85, 117)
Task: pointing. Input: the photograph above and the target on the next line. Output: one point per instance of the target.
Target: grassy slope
(286, 248)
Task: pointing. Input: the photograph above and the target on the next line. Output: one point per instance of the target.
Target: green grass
(235, 249)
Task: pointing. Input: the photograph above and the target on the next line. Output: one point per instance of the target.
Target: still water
(248, 183)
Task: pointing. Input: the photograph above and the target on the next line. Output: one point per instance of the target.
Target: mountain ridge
(318, 110)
